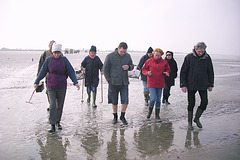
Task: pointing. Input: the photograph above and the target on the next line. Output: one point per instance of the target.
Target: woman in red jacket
(155, 68)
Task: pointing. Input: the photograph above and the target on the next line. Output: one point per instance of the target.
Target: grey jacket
(113, 70)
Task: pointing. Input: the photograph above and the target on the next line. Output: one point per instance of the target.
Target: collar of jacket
(202, 57)
(157, 60)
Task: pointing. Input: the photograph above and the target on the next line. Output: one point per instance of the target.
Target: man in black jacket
(197, 75)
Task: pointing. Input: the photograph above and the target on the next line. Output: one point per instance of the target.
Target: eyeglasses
(168, 55)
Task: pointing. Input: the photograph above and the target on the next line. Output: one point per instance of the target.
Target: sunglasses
(168, 55)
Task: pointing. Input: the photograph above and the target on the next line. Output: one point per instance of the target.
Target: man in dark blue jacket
(144, 58)
(197, 75)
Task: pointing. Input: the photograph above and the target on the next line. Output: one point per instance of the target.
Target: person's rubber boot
(190, 117)
(146, 96)
(150, 109)
(89, 98)
(163, 100)
(94, 99)
(115, 118)
(197, 116)
(122, 118)
(157, 114)
(52, 128)
(167, 100)
(59, 126)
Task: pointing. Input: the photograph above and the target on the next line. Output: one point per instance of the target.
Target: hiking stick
(31, 97)
(82, 88)
(101, 90)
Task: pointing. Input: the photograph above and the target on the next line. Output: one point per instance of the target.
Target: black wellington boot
(94, 99)
(157, 114)
(150, 109)
(89, 98)
(115, 118)
(190, 117)
(197, 116)
(59, 126)
(52, 129)
(122, 118)
(146, 96)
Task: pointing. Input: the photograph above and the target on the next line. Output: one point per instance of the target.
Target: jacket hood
(204, 56)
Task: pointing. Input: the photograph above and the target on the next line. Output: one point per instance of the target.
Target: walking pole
(101, 90)
(83, 88)
(31, 97)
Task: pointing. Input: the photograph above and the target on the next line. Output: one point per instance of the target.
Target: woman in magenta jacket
(155, 68)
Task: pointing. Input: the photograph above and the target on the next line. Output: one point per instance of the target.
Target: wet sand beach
(88, 132)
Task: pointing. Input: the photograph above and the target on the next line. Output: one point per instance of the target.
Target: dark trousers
(57, 97)
(192, 99)
(166, 91)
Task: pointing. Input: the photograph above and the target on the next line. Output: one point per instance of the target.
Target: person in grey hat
(197, 75)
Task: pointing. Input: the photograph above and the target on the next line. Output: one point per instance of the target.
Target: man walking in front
(197, 75)
(115, 68)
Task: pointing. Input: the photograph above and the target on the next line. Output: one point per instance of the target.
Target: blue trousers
(155, 97)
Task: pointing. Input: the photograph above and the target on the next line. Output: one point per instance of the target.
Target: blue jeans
(123, 89)
(93, 89)
(145, 89)
(155, 96)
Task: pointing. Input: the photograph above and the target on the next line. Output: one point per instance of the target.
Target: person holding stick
(91, 66)
(59, 68)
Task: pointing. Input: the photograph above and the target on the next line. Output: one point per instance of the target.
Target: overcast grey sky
(175, 25)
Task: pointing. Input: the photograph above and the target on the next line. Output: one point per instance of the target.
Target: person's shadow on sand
(196, 141)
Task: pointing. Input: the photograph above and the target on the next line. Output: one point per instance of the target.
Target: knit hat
(57, 47)
(93, 48)
(150, 50)
(158, 50)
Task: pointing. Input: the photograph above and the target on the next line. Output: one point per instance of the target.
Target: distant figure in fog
(116, 67)
(155, 69)
(169, 80)
(197, 75)
(144, 58)
(43, 57)
(58, 68)
(91, 66)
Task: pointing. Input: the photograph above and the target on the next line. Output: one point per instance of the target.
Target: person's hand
(166, 73)
(35, 86)
(184, 89)
(125, 67)
(78, 87)
(101, 73)
(149, 73)
(83, 69)
(210, 89)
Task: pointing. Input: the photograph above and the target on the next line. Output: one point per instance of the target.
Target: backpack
(64, 64)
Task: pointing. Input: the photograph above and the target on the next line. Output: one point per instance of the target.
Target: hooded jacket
(197, 72)
(170, 80)
(140, 65)
(157, 67)
(92, 65)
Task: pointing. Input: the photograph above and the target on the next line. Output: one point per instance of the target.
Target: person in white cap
(59, 68)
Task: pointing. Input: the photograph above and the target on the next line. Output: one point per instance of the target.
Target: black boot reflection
(116, 148)
(53, 148)
(196, 141)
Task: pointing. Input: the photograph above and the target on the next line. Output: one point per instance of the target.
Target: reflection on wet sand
(196, 141)
(54, 147)
(117, 149)
(154, 139)
(90, 140)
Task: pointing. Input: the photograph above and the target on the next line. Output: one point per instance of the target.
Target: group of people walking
(157, 75)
